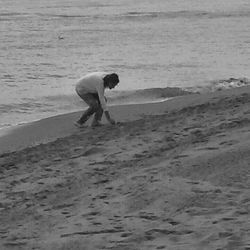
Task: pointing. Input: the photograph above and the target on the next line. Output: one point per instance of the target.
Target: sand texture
(176, 179)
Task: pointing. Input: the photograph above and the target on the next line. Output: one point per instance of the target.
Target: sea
(160, 49)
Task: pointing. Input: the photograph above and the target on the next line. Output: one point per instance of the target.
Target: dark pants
(95, 107)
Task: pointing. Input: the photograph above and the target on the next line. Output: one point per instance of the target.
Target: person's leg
(93, 104)
(97, 117)
(98, 113)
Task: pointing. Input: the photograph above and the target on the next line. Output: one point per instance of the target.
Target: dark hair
(111, 77)
(114, 77)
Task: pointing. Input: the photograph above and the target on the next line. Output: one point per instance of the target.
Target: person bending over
(91, 89)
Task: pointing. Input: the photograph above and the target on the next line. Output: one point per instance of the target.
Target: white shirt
(93, 83)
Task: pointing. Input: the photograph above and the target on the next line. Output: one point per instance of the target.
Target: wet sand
(173, 175)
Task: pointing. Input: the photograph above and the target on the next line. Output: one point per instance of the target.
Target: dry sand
(173, 175)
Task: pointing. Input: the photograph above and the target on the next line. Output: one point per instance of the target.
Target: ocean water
(45, 46)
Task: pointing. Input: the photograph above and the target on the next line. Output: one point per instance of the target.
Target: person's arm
(102, 99)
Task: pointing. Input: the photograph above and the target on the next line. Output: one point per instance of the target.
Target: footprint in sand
(171, 221)
(65, 212)
(96, 223)
(228, 218)
(148, 216)
(221, 135)
(102, 196)
(209, 148)
(48, 169)
(229, 143)
(3, 234)
(101, 181)
(90, 151)
(180, 156)
(225, 234)
(16, 244)
(63, 206)
(190, 128)
(157, 232)
(106, 231)
(241, 211)
(126, 234)
(57, 159)
(193, 182)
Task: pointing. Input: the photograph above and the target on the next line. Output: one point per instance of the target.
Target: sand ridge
(177, 180)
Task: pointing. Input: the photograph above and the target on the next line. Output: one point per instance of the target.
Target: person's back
(91, 83)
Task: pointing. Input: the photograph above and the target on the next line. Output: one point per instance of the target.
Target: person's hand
(112, 121)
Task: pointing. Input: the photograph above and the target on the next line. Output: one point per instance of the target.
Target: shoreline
(48, 129)
(62, 125)
(6, 128)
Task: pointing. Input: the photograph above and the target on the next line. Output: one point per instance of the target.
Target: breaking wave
(221, 84)
(146, 95)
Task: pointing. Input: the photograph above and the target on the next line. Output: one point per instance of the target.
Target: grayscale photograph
(124, 125)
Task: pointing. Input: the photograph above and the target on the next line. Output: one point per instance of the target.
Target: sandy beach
(171, 175)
